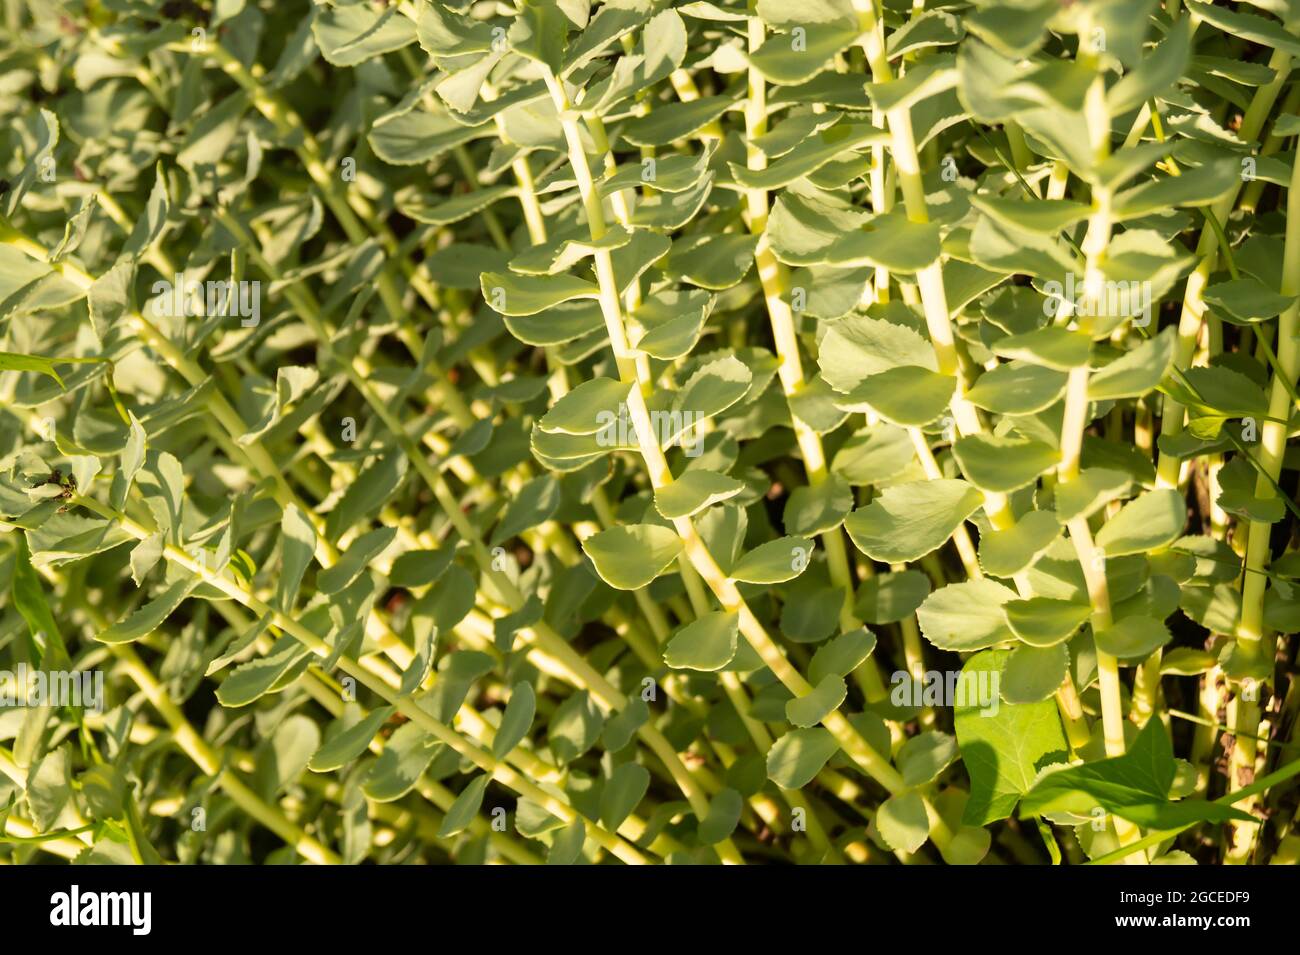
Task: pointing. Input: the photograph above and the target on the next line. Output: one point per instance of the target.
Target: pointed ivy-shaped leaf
(1003, 746)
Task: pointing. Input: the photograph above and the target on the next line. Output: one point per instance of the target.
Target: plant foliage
(642, 431)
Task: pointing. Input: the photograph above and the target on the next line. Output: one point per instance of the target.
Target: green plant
(440, 424)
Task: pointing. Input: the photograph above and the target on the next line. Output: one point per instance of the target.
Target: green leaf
(1195, 187)
(150, 617)
(811, 611)
(1033, 674)
(1288, 124)
(351, 35)
(516, 720)
(583, 410)
(465, 808)
(668, 211)
(694, 491)
(782, 16)
(534, 503)
(29, 600)
(891, 241)
(722, 818)
(1051, 347)
(574, 727)
(39, 363)
(817, 232)
(774, 562)
(810, 511)
(1133, 638)
(676, 122)
(297, 545)
(889, 598)
(629, 557)
(713, 389)
(1090, 491)
(518, 295)
(1044, 621)
(787, 59)
(249, 681)
(1006, 553)
(1248, 26)
(47, 137)
(1150, 522)
(908, 521)
(1246, 300)
(673, 322)
(908, 395)
(1017, 389)
(607, 26)
(376, 483)
(1044, 216)
(1003, 748)
(904, 822)
(810, 155)
(420, 568)
(930, 29)
(1007, 249)
(418, 669)
(1156, 74)
(1135, 373)
(1185, 661)
(966, 616)
(1134, 786)
(407, 754)
(823, 700)
(624, 790)
(1002, 464)
(708, 643)
(873, 455)
(662, 50)
(456, 674)
(431, 212)
(798, 756)
(923, 757)
(708, 260)
(460, 264)
(48, 788)
(444, 33)
(539, 33)
(566, 847)
(1237, 482)
(210, 138)
(925, 82)
(793, 131)
(352, 564)
(841, 655)
(132, 459)
(74, 232)
(622, 726)
(1218, 391)
(410, 136)
(350, 742)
